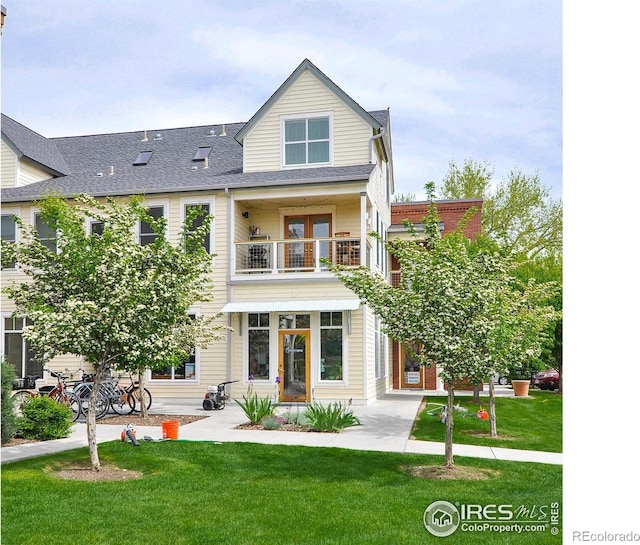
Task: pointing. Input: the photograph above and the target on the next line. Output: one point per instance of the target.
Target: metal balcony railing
(296, 255)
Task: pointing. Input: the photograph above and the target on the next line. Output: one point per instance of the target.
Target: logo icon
(441, 518)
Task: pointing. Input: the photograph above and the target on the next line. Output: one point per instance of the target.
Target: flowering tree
(454, 301)
(104, 297)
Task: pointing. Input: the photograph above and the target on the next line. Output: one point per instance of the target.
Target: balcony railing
(296, 255)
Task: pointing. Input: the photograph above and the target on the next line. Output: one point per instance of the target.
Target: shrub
(296, 418)
(272, 422)
(333, 417)
(256, 408)
(8, 412)
(44, 418)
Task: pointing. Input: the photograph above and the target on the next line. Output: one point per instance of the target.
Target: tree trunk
(448, 441)
(492, 409)
(141, 396)
(92, 438)
(476, 393)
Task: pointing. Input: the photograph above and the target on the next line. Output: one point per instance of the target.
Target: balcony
(262, 255)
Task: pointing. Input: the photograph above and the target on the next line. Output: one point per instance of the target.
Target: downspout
(371, 139)
(230, 224)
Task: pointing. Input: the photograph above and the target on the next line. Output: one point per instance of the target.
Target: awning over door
(292, 306)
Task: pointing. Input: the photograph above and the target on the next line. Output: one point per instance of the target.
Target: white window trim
(184, 202)
(344, 380)
(183, 381)
(165, 215)
(305, 116)
(12, 212)
(34, 212)
(273, 365)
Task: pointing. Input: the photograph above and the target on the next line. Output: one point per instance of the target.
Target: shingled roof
(33, 146)
(102, 164)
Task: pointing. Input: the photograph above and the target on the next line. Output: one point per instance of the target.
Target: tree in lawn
(440, 305)
(105, 297)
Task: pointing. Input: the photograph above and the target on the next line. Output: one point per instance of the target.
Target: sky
(463, 79)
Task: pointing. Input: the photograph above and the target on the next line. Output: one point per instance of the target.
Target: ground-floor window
(258, 334)
(186, 371)
(17, 351)
(331, 349)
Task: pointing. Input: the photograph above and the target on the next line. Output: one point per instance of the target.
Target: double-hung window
(147, 235)
(307, 141)
(46, 233)
(9, 234)
(203, 209)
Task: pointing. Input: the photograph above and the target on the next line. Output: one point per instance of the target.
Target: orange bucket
(170, 429)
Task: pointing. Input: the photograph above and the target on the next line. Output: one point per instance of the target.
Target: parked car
(500, 379)
(546, 380)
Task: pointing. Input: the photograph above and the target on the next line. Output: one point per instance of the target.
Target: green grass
(522, 423)
(241, 493)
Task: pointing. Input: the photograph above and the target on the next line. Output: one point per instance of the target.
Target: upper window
(46, 233)
(204, 209)
(306, 141)
(143, 158)
(147, 234)
(9, 233)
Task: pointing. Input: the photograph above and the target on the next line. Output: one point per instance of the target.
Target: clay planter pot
(520, 387)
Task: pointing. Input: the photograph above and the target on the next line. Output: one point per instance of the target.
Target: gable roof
(171, 168)
(307, 65)
(33, 146)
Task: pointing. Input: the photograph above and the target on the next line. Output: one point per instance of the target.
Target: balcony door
(300, 255)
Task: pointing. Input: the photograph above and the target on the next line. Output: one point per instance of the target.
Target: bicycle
(133, 391)
(59, 393)
(103, 401)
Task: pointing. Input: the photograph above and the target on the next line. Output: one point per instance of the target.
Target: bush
(296, 417)
(8, 412)
(256, 408)
(44, 418)
(333, 417)
(272, 422)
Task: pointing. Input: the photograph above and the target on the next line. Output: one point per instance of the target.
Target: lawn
(242, 493)
(533, 423)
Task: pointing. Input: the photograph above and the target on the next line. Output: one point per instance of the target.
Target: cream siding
(9, 169)
(350, 142)
(29, 173)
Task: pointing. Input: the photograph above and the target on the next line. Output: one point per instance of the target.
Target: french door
(300, 255)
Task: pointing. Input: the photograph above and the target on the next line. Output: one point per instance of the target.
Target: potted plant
(521, 378)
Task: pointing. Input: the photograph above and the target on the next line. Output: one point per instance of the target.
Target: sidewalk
(386, 426)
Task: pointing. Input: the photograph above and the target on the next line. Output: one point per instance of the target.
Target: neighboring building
(310, 175)
(407, 374)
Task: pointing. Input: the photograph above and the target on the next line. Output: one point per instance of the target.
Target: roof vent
(111, 170)
(99, 174)
(144, 137)
(157, 137)
(224, 132)
(194, 167)
(212, 132)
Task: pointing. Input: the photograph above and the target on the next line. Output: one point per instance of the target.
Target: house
(309, 176)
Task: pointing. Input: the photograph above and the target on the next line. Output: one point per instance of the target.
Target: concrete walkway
(386, 426)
